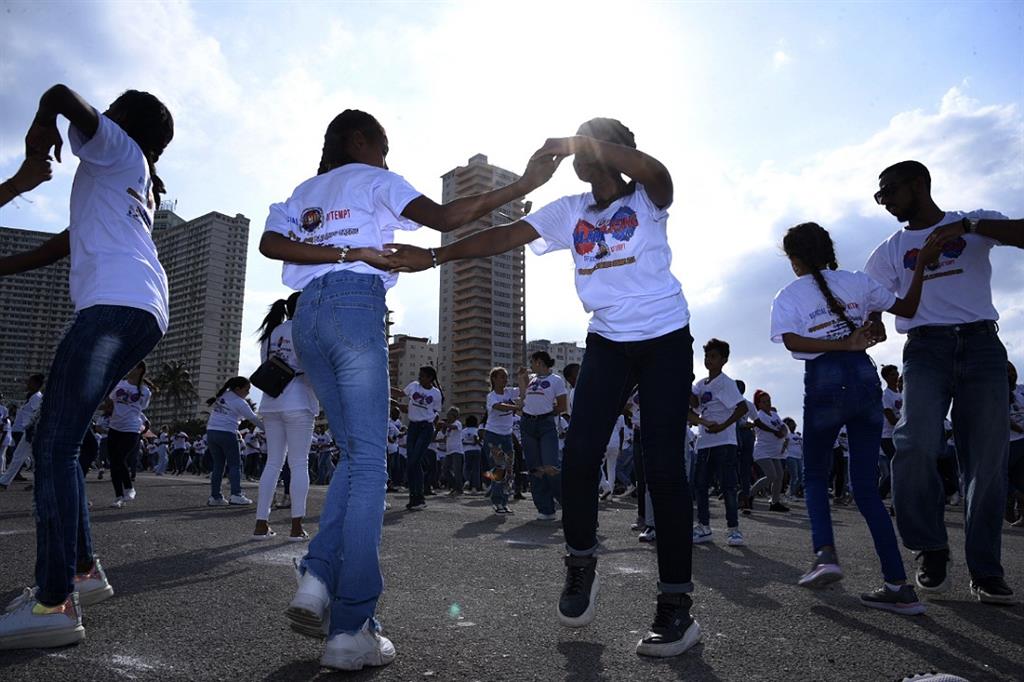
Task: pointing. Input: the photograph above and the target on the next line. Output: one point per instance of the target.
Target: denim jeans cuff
(675, 588)
(584, 552)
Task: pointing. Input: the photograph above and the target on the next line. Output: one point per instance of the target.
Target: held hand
(522, 375)
(41, 137)
(372, 257)
(712, 427)
(876, 331)
(861, 339)
(556, 146)
(941, 235)
(407, 258)
(34, 171)
(540, 169)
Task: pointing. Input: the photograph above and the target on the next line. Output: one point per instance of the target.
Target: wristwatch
(970, 225)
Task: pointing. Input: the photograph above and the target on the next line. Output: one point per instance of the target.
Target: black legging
(88, 452)
(121, 446)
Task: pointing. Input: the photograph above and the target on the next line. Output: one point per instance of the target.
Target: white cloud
(780, 58)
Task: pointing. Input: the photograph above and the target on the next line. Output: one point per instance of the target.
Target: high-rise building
(483, 301)
(205, 262)
(35, 308)
(564, 352)
(406, 354)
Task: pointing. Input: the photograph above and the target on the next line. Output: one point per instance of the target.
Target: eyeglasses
(887, 191)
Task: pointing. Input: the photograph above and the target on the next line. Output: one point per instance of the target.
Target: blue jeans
(795, 466)
(223, 448)
(610, 371)
(540, 448)
(968, 362)
(499, 489)
(418, 438)
(723, 459)
(102, 345)
(843, 388)
(340, 334)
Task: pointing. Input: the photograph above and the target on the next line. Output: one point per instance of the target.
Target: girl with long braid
(822, 318)
(330, 234)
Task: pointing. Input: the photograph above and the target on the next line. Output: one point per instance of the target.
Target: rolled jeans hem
(581, 552)
(671, 588)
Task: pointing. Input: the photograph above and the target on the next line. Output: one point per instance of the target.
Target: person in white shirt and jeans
(228, 409)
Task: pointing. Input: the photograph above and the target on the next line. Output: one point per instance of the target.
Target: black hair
(430, 372)
(280, 310)
(718, 345)
(888, 369)
(471, 421)
(149, 122)
(811, 243)
(741, 385)
(790, 422)
(494, 371)
(38, 378)
(229, 385)
(609, 130)
(908, 170)
(340, 131)
(568, 370)
(543, 356)
(142, 377)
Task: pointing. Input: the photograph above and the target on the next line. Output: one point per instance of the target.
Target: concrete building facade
(406, 354)
(564, 352)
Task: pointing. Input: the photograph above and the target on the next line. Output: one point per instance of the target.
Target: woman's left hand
(407, 258)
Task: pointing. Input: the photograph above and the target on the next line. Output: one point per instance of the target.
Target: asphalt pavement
(471, 596)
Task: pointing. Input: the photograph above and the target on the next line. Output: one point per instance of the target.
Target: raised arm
(43, 134)
(34, 171)
(50, 251)
(1007, 232)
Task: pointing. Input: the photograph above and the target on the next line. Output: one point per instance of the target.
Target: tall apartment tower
(35, 309)
(406, 354)
(483, 301)
(205, 262)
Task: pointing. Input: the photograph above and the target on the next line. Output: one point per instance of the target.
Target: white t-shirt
(394, 431)
(716, 401)
(113, 258)
(498, 422)
(200, 445)
(453, 437)
(634, 401)
(891, 400)
(622, 263)
(618, 438)
(843, 442)
(795, 447)
(228, 411)
(469, 438)
(541, 393)
(767, 445)
(129, 403)
(298, 394)
(957, 289)
(800, 307)
(354, 205)
(27, 413)
(1017, 412)
(424, 404)
(180, 441)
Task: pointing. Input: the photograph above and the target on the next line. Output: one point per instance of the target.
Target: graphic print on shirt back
(592, 241)
(951, 251)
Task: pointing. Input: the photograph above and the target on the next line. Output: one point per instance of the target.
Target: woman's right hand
(407, 258)
(34, 171)
(42, 136)
(861, 338)
(541, 168)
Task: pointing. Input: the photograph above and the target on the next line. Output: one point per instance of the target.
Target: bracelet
(8, 184)
(344, 252)
(433, 257)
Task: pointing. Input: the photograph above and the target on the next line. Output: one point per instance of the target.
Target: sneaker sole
(901, 609)
(369, 660)
(821, 579)
(700, 540)
(309, 631)
(46, 639)
(736, 543)
(587, 616)
(690, 638)
(95, 596)
(938, 589)
(986, 598)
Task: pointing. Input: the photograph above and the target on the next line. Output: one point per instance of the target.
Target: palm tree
(174, 382)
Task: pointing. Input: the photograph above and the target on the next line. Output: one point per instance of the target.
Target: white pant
(21, 455)
(290, 432)
(611, 459)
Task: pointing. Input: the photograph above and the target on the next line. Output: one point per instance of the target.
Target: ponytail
(142, 377)
(812, 245)
(147, 121)
(277, 314)
(229, 385)
(340, 131)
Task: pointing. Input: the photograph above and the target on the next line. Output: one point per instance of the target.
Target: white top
(469, 438)
(394, 432)
(958, 288)
(622, 263)
(843, 442)
(767, 445)
(453, 437)
(113, 258)
(570, 393)
(716, 401)
(618, 438)
(800, 307)
(200, 445)
(355, 205)
(498, 422)
(634, 401)
(228, 411)
(1017, 412)
(181, 441)
(129, 403)
(541, 393)
(691, 441)
(891, 400)
(27, 412)
(424, 404)
(252, 443)
(795, 445)
(298, 395)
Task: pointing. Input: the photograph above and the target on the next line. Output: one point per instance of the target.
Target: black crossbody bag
(273, 376)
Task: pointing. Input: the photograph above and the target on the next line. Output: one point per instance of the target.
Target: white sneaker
(129, 494)
(387, 504)
(547, 517)
(216, 502)
(239, 499)
(308, 608)
(31, 625)
(91, 588)
(735, 538)
(954, 500)
(649, 535)
(355, 652)
(118, 503)
(701, 534)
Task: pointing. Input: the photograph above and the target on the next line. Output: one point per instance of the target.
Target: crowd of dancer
(565, 438)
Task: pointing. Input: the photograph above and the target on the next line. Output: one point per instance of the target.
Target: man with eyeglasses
(953, 354)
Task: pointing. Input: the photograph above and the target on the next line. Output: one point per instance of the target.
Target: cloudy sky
(767, 114)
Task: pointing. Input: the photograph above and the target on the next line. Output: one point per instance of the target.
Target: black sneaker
(416, 505)
(932, 571)
(992, 590)
(778, 507)
(824, 571)
(674, 630)
(903, 601)
(579, 596)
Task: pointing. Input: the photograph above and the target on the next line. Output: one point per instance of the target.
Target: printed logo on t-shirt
(951, 250)
(537, 386)
(137, 211)
(311, 219)
(127, 397)
(422, 399)
(591, 243)
(706, 397)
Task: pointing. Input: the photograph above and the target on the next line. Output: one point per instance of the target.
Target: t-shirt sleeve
(554, 226)
(785, 319)
(876, 297)
(559, 386)
(109, 146)
(409, 389)
(394, 193)
(657, 212)
(881, 267)
(279, 220)
(731, 396)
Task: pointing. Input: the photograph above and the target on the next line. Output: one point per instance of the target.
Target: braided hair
(147, 121)
(340, 131)
(812, 245)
